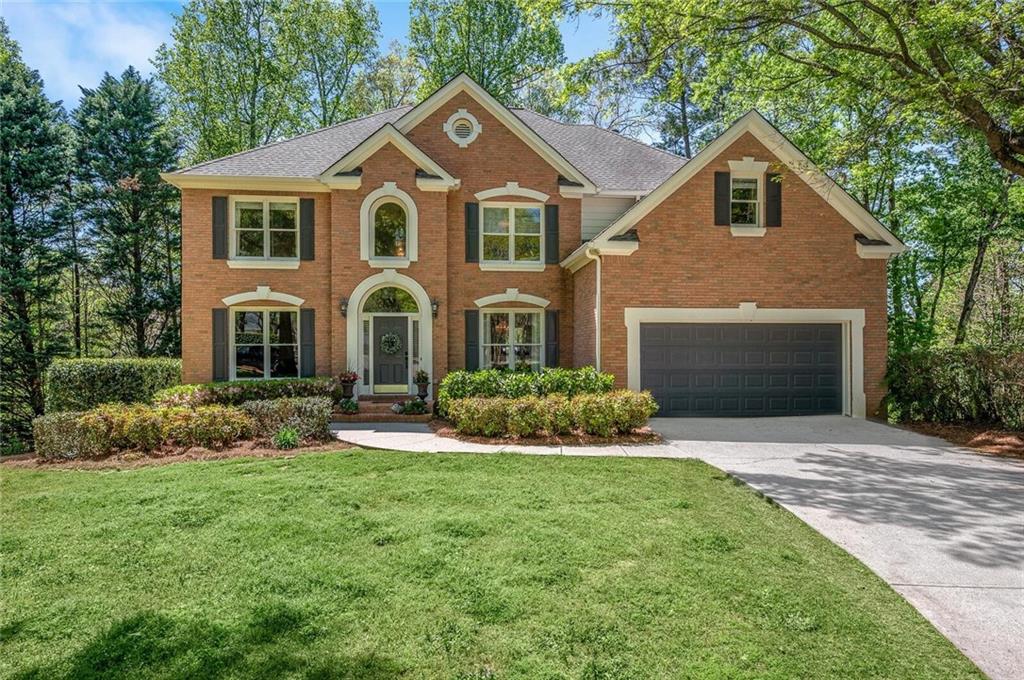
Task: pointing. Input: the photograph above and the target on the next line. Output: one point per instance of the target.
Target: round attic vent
(462, 127)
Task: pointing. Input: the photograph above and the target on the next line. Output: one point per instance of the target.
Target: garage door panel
(742, 369)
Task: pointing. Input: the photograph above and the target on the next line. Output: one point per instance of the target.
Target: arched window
(390, 224)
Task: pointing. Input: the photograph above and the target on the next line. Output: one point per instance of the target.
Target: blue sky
(73, 43)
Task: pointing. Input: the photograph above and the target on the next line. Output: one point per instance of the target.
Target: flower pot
(422, 390)
(346, 390)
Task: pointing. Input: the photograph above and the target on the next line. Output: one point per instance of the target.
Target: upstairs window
(743, 205)
(265, 229)
(389, 229)
(512, 233)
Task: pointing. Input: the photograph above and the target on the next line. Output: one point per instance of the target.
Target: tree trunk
(972, 284)
(684, 119)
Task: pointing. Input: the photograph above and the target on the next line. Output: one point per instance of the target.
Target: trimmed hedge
(958, 384)
(81, 384)
(512, 384)
(603, 415)
(310, 417)
(111, 428)
(238, 392)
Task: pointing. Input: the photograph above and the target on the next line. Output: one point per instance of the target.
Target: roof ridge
(289, 139)
(601, 129)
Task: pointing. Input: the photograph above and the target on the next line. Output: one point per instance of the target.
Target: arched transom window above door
(388, 228)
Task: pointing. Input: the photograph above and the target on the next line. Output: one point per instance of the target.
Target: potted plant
(348, 379)
(422, 381)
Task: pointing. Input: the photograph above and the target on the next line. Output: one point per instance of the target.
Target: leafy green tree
(961, 63)
(498, 43)
(33, 166)
(392, 80)
(334, 45)
(132, 215)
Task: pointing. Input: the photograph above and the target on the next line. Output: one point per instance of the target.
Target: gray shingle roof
(610, 160)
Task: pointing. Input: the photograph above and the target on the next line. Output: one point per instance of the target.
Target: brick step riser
(379, 418)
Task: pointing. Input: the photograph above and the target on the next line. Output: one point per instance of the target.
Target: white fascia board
(754, 123)
(243, 182)
(463, 83)
(387, 134)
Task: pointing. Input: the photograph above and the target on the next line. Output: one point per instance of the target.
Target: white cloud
(73, 44)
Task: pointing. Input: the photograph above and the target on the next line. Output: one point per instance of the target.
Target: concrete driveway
(944, 527)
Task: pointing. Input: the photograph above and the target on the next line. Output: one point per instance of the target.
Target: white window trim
(262, 293)
(748, 168)
(388, 191)
(266, 262)
(512, 265)
(852, 320)
(511, 189)
(512, 295)
(512, 310)
(266, 337)
(449, 127)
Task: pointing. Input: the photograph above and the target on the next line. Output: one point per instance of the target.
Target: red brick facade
(683, 259)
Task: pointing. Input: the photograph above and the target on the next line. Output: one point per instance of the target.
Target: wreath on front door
(390, 343)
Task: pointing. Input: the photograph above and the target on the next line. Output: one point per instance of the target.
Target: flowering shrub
(601, 415)
(502, 383)
(309, 416)
(348, 377)
(241, 391)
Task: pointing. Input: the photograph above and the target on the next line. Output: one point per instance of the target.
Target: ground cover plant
(379, 565)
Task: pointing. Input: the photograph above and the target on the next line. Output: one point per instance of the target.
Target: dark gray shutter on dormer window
(772, 200)
(220, 227)
(472, 232)
(472, 339)
(722, 191)
(551, 234)
(307, 231)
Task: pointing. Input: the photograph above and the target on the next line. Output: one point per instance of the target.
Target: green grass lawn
(362, 564)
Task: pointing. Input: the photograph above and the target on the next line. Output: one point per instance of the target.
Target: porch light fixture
(344, 306)
(435, 304)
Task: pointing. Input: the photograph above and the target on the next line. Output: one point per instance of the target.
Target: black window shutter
(472, 232)
(307, 233)
(772, 200)
(220, 227)
(722, 190)
(551, 338)
(551, 234)
(472, 339)
(307, 349)
(220, 344)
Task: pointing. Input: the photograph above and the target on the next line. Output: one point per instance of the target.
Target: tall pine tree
(33, 165)
(132, 215)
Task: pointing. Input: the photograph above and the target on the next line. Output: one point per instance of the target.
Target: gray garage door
(742, 369)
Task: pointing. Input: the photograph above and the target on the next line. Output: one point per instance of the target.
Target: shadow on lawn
(155, 645)
(974, 509)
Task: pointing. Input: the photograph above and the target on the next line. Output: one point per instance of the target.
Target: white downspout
(595, 255)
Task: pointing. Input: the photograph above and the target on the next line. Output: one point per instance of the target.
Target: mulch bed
(644, 436)
(982, 437)
(135, 459)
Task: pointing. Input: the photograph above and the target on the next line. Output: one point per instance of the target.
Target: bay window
(512, 339)
(265, 344)
(512, 233)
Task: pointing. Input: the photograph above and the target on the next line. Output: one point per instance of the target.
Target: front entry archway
(389, 333)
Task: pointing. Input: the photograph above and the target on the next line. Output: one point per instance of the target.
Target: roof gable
(463, 83)
(340, 171)
(776, 143)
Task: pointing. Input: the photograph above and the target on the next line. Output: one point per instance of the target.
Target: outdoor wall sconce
(344, 306)
(435, 304)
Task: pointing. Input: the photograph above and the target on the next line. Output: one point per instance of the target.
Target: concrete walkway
(942, 526)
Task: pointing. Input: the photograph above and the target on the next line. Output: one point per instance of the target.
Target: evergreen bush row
(81, 384)
(511, 384)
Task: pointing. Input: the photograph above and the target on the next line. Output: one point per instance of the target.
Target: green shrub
(958, 384)
(81, 384)
(309, 416)
(601, 415)
(64, 436)
(414, 407)
(286, 438)
(238, 392)
(212, 427)
(502, 383)
(128, 427)
(349, 406)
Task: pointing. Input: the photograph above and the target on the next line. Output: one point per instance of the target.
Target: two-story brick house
(460, 233)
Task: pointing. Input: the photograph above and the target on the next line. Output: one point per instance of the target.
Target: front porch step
(385, 406)
(389, 417)
(385, 398)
